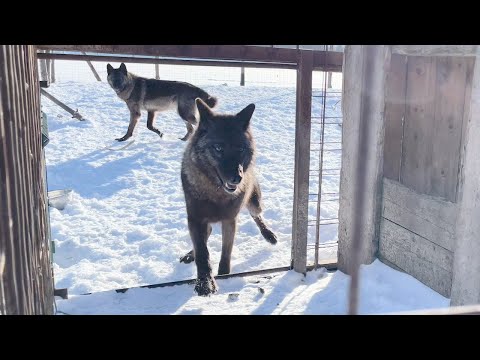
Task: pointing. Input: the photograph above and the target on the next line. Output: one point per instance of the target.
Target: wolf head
(223, 146)
(117, 78)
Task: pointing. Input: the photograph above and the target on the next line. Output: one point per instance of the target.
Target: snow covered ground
(125, 223)
(382, 291)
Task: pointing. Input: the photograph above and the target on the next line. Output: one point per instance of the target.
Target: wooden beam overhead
(332, 61)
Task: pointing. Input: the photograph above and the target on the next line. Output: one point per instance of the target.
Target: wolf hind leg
(190, 131)
(254, 206)
(187, 111)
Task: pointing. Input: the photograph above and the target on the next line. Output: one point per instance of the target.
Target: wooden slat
(92, 68)
(466, 284)
(416, 170)
(448, 126)
(470, 65)
(333, 61)
(435, 50)
(303, 123)
(75, 114)
(417, 256)
(434, 124)
(150, 60)
(224, 52)
(394, 116)
(435, 210)
(408, 219)
(328, 61)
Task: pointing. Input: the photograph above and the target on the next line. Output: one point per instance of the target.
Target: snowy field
(125, 224)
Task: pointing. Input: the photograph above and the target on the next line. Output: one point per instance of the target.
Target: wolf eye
(217, 147)
(241, 149)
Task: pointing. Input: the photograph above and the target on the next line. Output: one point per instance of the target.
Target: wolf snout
(231, 184)
(235, 180)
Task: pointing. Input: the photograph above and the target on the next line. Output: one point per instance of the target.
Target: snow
(125, 225)
(382, 291)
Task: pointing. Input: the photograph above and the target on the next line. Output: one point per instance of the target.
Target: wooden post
(466, 262)
(92, 68)
(75, 114)
(48, 63)
(364, 76)
(43, 70)
(302, 161)
(242, 76)
(329, 74)
(52, 71)
(26, 277)
(157, 71)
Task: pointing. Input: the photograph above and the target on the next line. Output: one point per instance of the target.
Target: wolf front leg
(255, 208)
(229, 228)
(205, 284)
(190, 256)
(134, 117)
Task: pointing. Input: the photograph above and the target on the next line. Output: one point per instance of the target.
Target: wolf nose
(235, 180)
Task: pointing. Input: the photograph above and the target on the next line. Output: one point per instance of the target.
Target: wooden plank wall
(417, 235)
(26, 280)
(425, 107)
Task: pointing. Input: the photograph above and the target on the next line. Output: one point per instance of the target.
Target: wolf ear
(204, 110)
(245, 115)
(123, 68)
(109, 69)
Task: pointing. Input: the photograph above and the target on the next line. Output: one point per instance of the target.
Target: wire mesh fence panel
(325, 164)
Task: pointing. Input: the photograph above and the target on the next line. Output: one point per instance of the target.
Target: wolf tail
(209, 100)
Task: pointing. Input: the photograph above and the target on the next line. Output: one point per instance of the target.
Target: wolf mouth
(229, 188)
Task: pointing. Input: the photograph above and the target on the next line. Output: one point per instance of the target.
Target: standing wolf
(218, 180)
(156, 96)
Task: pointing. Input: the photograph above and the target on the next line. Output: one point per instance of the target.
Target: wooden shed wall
(26, 280)
(426, 112)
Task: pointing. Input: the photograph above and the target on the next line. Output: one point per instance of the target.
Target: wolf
(154, 96)
(218, 180)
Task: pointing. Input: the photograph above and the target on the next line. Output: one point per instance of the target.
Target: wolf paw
(223, 269)
(206, 286)
(123, 138)
(187, 258)
(270, 236)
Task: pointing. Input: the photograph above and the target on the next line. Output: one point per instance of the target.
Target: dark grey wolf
(218, 180)
(156, 96)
